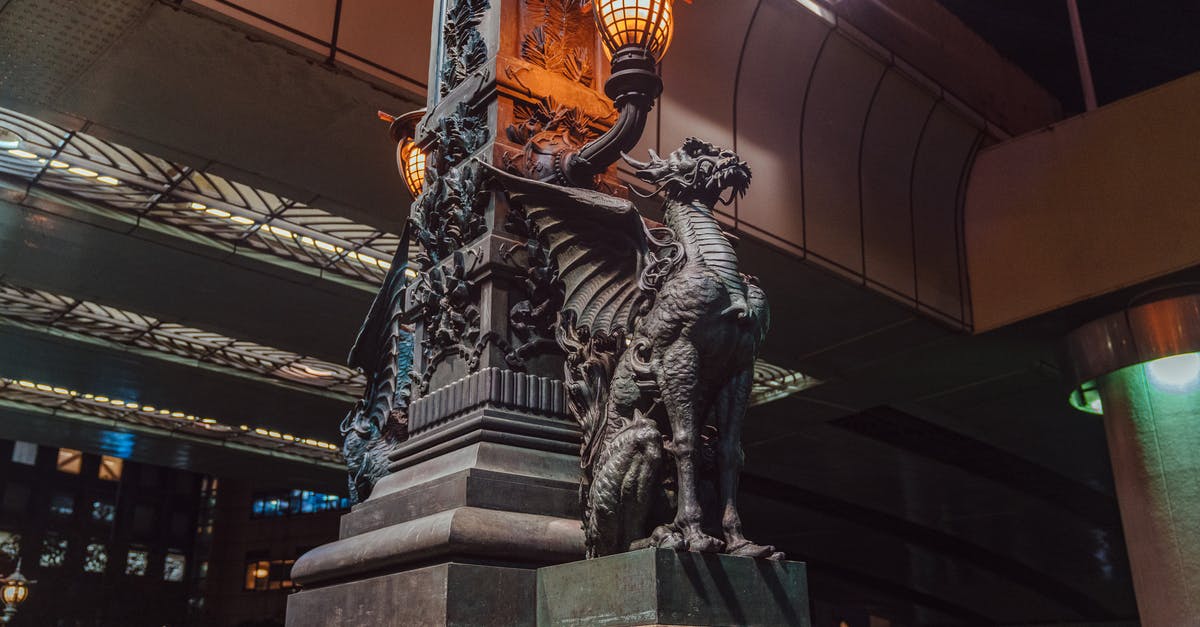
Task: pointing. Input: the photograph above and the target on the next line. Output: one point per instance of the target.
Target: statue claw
(702, 543)
(665, 537)
(737, 311)
(746, 548)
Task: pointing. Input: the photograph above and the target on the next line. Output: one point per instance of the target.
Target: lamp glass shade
(645, 23)
(14, 592)
(412, 161)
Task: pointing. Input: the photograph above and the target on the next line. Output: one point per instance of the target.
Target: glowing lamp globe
(15, 590)
(412, 162)
(647, 24)
(410, 159)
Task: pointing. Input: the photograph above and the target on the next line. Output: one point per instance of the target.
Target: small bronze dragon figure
(661, 332)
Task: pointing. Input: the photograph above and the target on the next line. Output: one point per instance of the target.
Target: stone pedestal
(663, 587)
(455, 534)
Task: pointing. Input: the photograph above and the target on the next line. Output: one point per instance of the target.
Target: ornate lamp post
(14, 589)
(466, 446)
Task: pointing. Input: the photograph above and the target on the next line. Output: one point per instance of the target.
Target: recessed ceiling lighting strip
(46, 309)
(772, 383)
(130, 181)
(63, 399)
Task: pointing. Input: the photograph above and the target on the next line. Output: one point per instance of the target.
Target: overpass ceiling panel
(1026, 413)
(805, 298)
(131, 377)
(280, 116)
(311, 17)
(781, 49)
(48, 45)
(889, 144)
(700, 73)
(948, 145)
(841, 95)
(931, 573)
(63, 256)
(999, 527)
(393, 34)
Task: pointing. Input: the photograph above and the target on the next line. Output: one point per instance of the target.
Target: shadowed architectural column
(1140, 369)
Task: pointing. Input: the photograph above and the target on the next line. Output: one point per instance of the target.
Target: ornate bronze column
(471, 464)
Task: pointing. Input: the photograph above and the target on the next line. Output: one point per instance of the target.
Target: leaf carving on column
(562, 41)
(466, 50)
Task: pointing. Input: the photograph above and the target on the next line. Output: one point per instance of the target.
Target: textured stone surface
(445, 594)
(1154, 441)
(464, 531)
(662, 587)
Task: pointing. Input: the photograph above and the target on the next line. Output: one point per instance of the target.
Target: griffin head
(697, 171)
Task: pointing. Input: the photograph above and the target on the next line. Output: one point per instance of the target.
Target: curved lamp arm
(633, 87)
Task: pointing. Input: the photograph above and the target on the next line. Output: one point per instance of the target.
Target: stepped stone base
(462, 595)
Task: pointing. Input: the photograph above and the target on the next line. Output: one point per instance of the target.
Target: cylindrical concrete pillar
(1141, 369)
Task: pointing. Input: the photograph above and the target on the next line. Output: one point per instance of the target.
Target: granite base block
(452, 594)
(663, 587)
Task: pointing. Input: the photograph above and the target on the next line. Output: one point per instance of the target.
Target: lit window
(137, 562)
(54, 552)
(103, 511)
(269, 575)
(110, 468)
(24, 453)
(296, 502)
(173, 567)
(95, 558)
(62, 504)
(70, 461)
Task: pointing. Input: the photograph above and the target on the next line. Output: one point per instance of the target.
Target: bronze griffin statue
(661, 332)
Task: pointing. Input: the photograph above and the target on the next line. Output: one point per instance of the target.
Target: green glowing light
(1086, 398)
(1176, 373)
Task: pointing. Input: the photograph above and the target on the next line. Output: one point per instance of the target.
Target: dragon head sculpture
(699, 171)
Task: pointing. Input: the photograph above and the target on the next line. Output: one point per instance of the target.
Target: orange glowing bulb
(413, 160)
(645, 23)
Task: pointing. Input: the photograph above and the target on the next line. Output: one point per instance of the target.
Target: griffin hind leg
(731, 411)
(679, 383)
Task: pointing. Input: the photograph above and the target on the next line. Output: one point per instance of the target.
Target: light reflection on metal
(772, 383)
(1138, 335)
(126, 327)
(120, 178)
(62, 400)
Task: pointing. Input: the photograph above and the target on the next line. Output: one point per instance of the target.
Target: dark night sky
(1133, 45)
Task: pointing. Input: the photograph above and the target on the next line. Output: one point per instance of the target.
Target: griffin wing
(598, 243)
(388, 303)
